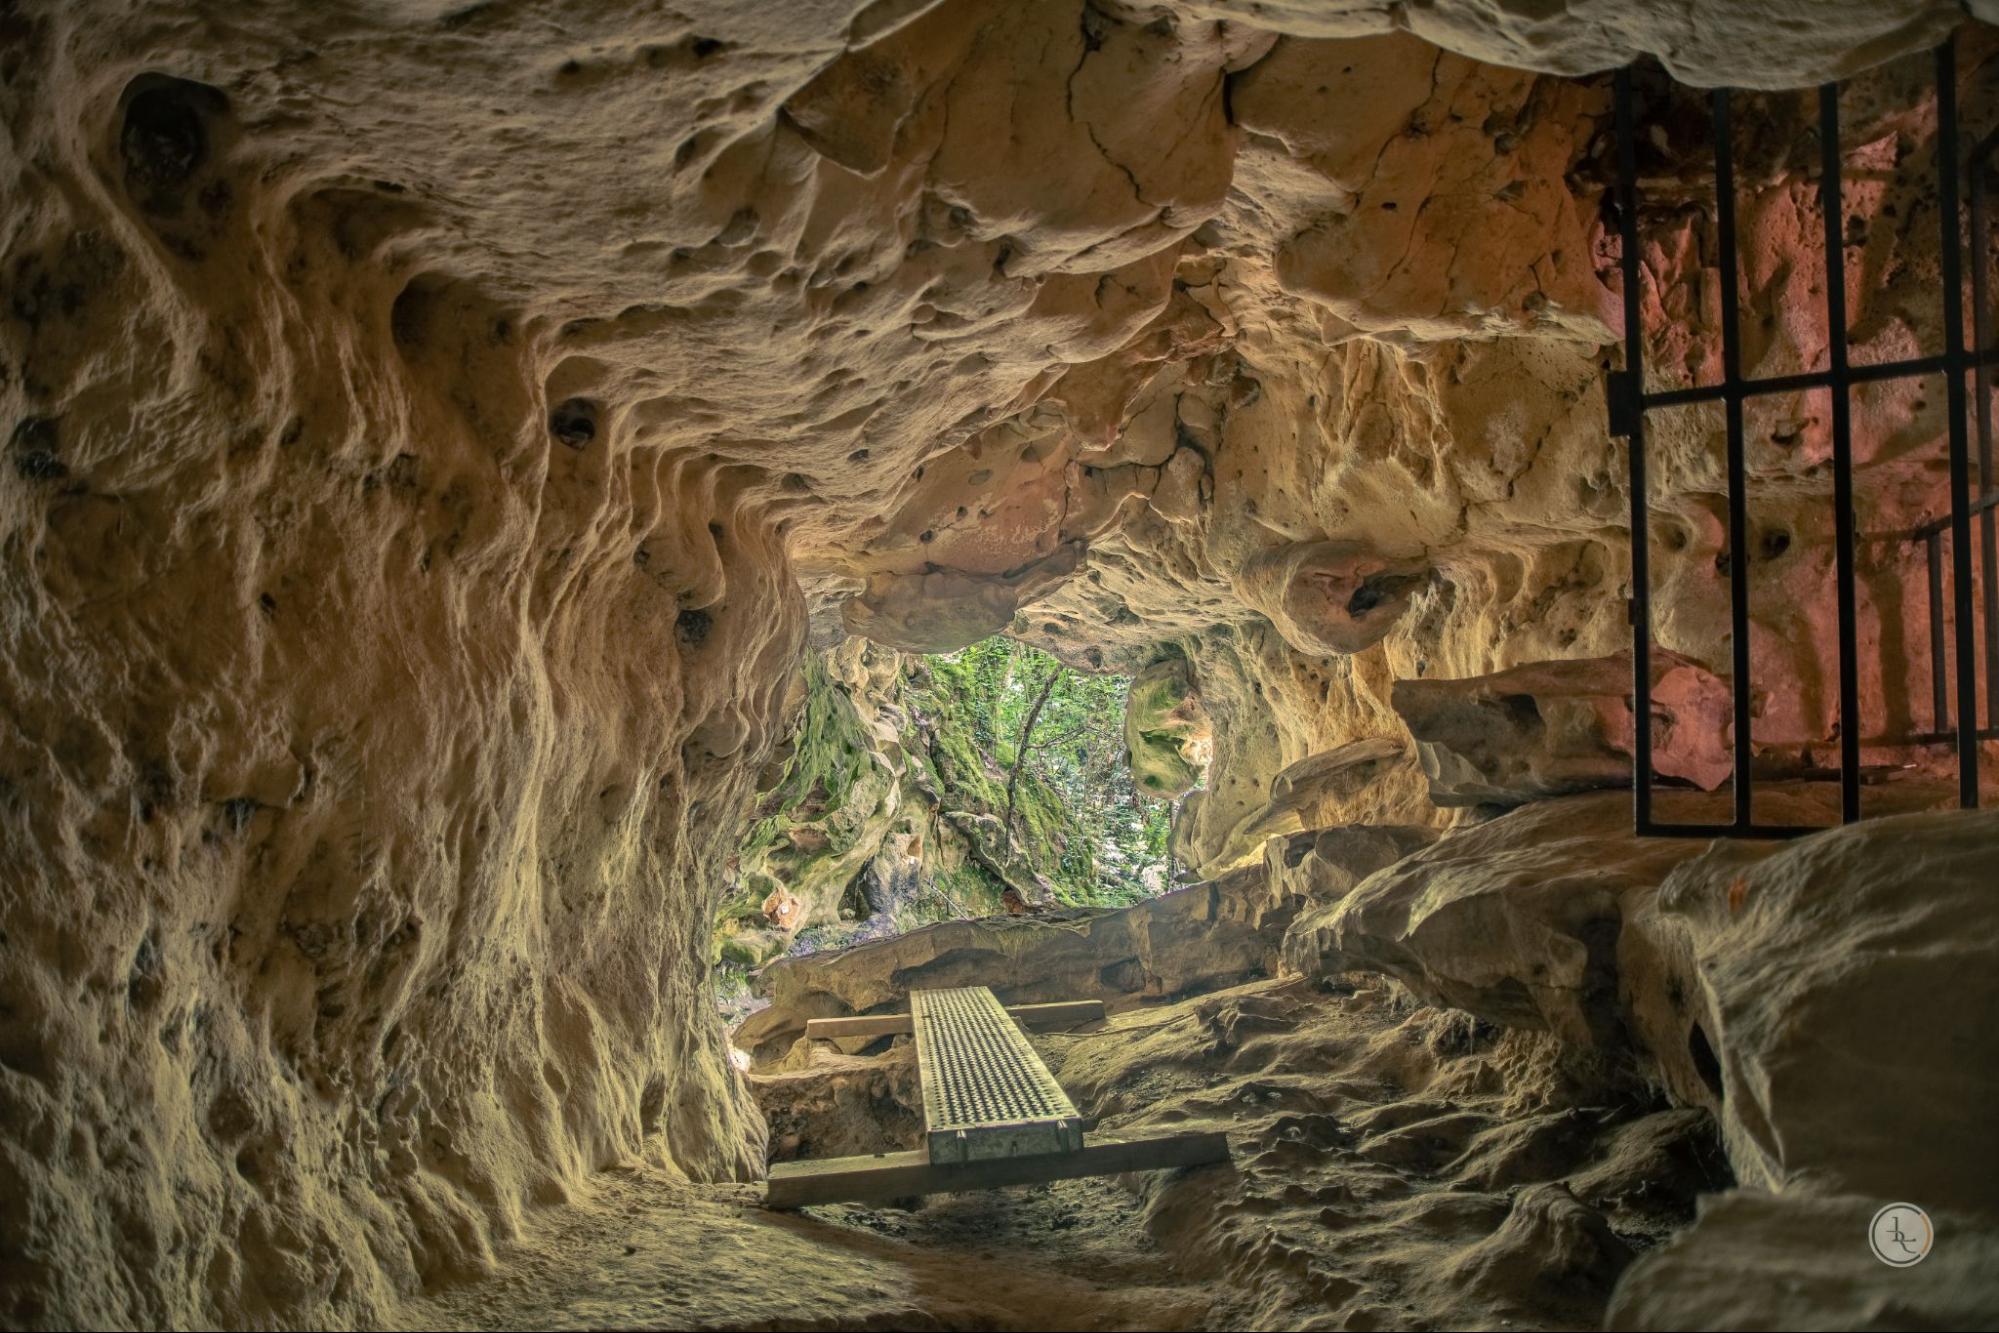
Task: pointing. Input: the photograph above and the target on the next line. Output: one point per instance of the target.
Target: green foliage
(813, 786)
(828, 803)
(1077, 819)
(1159, 719)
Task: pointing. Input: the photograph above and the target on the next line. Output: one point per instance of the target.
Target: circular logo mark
(1900, 1235)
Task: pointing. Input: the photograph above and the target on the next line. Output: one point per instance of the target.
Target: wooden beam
(1057, 1016)
(1033, 1017)
(898, 1175)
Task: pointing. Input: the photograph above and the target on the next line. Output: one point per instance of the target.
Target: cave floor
(1395, 1166)
(646, 1251)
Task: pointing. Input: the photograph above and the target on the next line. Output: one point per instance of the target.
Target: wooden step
(903, 1174)
(1054, 1017)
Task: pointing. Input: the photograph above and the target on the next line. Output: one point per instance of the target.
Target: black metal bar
(1819, 379)
(1939, 671)
(1727, 830)
(1960, 457)
(1950, 737)
(1936, 525)
(1628, 402)
(1740, 686)
(1981, 388)
(1641, 555)
(1830, 203)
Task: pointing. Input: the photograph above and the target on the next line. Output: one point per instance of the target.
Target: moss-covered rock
(886, 809)
(1167, 731)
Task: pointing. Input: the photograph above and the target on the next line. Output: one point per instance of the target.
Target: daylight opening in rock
(1026, 664)
(914, 788)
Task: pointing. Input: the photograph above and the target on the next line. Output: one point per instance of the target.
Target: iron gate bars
(1931, 534)
(1628, 401)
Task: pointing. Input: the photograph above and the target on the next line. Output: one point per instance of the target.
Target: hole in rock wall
(921, 788)
(1705, 1062)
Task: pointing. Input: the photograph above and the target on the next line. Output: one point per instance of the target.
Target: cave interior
(517, 508)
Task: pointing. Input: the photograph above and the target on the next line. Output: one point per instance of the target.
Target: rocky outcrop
(1827, 1000)
(1516, 920)
(1196, 938)
(941, 610)
(1554, 917)
(1321, 866)
(1392, 1163)
(1759, 1260)
(1329, 597)
(1843, 990)
(1302, 792)
(1551, 728)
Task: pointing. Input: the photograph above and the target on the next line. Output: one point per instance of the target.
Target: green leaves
(1078, 822)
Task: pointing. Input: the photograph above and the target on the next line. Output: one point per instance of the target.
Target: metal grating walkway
(986, 1093)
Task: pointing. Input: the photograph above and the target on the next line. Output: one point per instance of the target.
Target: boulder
(1546, 916)
(1551, 728)
(1764, 1261)
(1302, 791)
(1515, 920)
(1833, 1001)
(1323, 865)
(1827, 1000)
(1201, 937)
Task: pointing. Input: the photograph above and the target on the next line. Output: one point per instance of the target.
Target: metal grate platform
(995, 1115)
(986, 1094)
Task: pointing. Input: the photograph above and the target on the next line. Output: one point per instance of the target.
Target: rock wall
(433, 428)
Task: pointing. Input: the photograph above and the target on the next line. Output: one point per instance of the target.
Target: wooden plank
(1033, 1017)
(1054, 1017)
(866, 1025)
(898, 1175)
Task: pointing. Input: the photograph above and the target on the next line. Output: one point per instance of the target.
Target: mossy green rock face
(886, 806)
(833, 801)
(749, 948)
(1167, 731)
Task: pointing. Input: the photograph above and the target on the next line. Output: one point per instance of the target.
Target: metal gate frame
(1628, 401)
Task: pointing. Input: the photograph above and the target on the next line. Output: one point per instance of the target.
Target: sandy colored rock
(1393, 1164)
(1708, 42)
(1192, 939)
(1550, 728)
(1321, 866)
(1515, 920)
(1845, 987)
(433, 430)
(1327, 598)
(1812, 1269)
(1549, 917)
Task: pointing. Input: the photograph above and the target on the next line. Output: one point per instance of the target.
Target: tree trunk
(1020, 750)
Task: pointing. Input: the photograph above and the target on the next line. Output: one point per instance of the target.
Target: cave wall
(431, 428)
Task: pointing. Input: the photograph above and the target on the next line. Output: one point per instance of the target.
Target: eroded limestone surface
(435, 432)
(1502, 1066)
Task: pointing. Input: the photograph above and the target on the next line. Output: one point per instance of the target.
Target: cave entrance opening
(916, 788)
